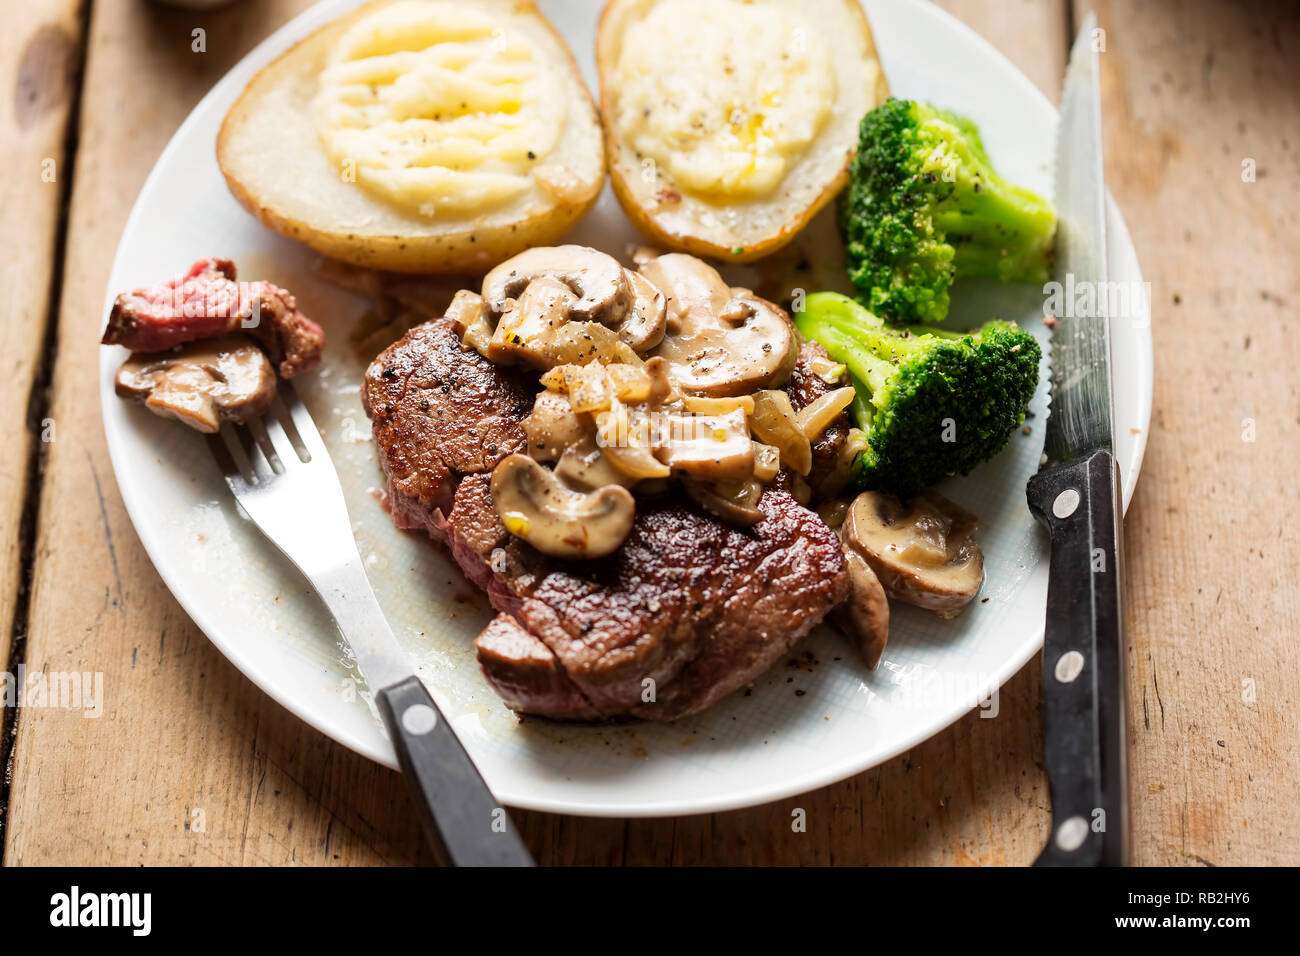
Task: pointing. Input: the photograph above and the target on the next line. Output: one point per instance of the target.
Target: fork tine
(257, 462)
(302, 421)
(225, 460)
(280, 440)
(257, 428)
(280, 412)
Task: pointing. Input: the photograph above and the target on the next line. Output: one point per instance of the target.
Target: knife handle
(462, 819)
(1083, 663)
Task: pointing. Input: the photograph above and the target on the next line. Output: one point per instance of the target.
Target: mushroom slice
(600, 286)
(584, 466)
(646, 321)
(203, 383)
(735, 502)
(720, 341)
(864, 617)
(923, 551)
(661, 384)
(534, 506)
(527, 330)
(552, 427)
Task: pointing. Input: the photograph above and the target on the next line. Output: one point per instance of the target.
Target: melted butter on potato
(439, 108)
(724, 96)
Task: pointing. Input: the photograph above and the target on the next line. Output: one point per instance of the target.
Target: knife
(1077, 495)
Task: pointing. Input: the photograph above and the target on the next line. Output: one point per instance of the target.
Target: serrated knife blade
(1076, 495)
(1079, 419)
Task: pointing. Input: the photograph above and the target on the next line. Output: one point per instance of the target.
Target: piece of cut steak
(206, 303)
(687, 610)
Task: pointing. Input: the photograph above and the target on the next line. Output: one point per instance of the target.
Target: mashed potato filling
(725, 97)
(440, 108)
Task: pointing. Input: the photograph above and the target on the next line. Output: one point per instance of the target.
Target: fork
(281, 474)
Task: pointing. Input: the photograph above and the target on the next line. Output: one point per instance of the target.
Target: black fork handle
(464, 822)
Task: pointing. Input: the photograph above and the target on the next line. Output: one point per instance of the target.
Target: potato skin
(643, 217)
(475, 246)
(623, 172)
(470, 251)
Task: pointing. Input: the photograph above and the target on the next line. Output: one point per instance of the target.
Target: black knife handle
(1083, 663)
(464, 822)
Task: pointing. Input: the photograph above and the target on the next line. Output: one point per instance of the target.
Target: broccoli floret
(924, 206)
(932, 402)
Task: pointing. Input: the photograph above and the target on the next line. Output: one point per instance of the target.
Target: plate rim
(368, 746)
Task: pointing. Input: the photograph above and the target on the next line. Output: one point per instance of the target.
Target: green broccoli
(925, 206)
(932, 402)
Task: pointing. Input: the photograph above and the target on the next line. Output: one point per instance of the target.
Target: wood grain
(40, 49)
(1191, 91)
(189, 762)
(1032, 34)
(1188, 95)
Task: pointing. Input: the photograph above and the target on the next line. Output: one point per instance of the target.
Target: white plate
(800, 727)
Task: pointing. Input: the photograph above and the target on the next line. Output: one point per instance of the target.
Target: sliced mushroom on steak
(596, 289)
(864, 617)
(720, 341)
(535, 506)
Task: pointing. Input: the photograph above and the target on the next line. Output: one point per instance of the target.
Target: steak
(438, 412)
(687, 610)
(206, 303)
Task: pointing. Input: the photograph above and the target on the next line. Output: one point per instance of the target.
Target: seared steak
(689, 608)
(686, 611)
(206, 303)
(440, 412)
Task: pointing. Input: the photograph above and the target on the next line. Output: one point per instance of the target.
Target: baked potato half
(730, 123)
(419, 136)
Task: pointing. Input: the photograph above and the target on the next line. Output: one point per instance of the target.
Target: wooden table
(192, 764)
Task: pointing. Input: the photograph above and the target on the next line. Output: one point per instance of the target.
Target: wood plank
(1189, 95)
(182, 731)
(40, 49)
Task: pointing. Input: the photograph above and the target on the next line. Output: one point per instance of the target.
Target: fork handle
(465, 824)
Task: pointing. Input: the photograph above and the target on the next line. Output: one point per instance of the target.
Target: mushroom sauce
(665, 374)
